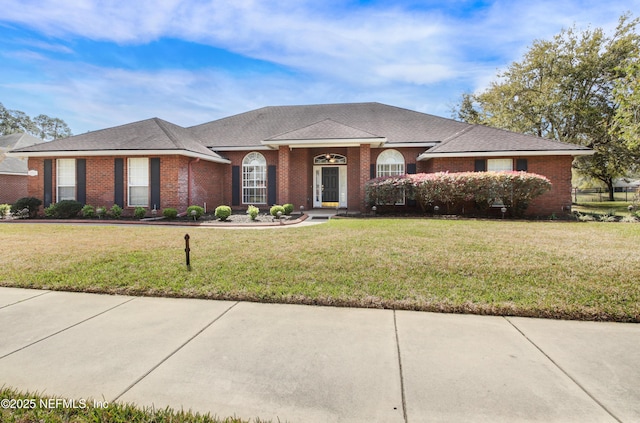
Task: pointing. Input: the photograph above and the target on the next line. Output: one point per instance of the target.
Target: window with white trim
(499, 165)
(138, 181)
(391, 163)
(254, 179)
(66, 179)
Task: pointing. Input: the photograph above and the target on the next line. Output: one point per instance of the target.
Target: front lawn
(545, 269)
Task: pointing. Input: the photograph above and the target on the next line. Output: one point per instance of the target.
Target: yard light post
(187, 250)
(373, 210)
(630, 208)
(279, 214)
(503, 210)
(193, 214)
(436, 210)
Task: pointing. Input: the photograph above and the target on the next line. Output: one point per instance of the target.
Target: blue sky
(98, 64)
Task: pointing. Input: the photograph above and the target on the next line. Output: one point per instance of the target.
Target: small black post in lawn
(187, 250)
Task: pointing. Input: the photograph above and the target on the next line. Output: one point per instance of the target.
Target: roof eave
(511, 153)
(325, 142)
(98, 153)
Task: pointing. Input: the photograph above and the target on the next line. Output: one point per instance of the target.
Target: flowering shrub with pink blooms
(514, 189)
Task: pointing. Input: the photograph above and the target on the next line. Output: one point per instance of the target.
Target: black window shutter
(118, 182)
(521, 165)
(48, 182)
(235, 185)
(271, 185)
(154, 181)
(81, 180)
(411, 169)
(481, 165)
(372, 171)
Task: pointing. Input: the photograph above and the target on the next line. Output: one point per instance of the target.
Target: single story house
(14, 170)
(313, 156)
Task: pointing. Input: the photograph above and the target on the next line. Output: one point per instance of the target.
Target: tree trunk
(609, 183)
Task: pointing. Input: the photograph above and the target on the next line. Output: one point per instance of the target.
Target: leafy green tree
(564, 89)
(13, 121)
(42, 126)
(51, 128)
(627, 94)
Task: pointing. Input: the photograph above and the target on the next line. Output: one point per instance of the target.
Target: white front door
(330, 186)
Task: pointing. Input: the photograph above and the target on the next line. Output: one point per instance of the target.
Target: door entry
(330, 184)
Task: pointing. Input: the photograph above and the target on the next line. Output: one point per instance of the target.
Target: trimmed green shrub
(31, 203)
(253, 212)
(275, 209)
(50, 211)
(65, 209)
(4, 210)
(170, 213)
(140, 212)
(115, 211)
(288, 209)
(88, 211)
(199, 212)
(223, 212)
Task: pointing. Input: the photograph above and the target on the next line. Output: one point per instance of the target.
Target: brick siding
(13, 187)
(211, 182)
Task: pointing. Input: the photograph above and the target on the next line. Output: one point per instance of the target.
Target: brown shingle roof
(151, 134)
(397, 125)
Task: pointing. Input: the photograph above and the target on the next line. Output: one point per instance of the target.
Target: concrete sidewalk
(317, 364)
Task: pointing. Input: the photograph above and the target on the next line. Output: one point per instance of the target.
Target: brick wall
(12, 187)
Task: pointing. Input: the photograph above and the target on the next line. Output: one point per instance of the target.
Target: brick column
(283, 175)
(365, 162)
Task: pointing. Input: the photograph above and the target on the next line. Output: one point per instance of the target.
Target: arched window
(391, 163)
(254, 179)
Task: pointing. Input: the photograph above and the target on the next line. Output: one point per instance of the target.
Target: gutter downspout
(189, 180)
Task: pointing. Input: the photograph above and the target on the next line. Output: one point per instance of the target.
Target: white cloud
(407, 56)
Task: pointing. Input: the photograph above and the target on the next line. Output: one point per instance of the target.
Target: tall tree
(564, 89)
(13, 121)
(51, 128)
(42, 126)
(627, 92)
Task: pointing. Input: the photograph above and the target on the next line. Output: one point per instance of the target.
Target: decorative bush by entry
(31, 203)
(139, 212)
(514, 189)
(115, 211)
(65, 209)
(288, 209)
(223, 212)
(275, 209)
(88, 211)
(4, 210)
(170, 213)
(199, 211)
(253, 212)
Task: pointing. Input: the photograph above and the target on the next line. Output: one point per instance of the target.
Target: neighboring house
(313, 156)
(13, 170)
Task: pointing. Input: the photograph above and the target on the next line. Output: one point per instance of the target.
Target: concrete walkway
(318, 364)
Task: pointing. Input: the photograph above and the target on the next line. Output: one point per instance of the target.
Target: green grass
(33, 408)
(620, 208)
(543, 269)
